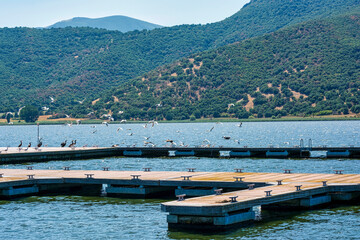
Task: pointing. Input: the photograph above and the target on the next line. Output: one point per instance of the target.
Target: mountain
(312, 68)
(118, 23)
(71, 64)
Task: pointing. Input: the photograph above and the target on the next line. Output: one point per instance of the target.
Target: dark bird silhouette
(39, 144)
(20, 144)
(73, 143)
(63, 144)
(29, 144)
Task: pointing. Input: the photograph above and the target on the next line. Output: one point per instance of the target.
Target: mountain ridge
(312, 68)
(70, 64)
(114, 23)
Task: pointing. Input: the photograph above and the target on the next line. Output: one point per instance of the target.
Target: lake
(75, 217)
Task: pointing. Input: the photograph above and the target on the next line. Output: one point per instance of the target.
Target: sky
(42, 13)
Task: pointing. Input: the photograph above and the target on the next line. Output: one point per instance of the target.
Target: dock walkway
(226, 198)
(21, 155)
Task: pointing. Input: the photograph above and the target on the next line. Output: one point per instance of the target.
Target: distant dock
(225, 198)
(16, 155)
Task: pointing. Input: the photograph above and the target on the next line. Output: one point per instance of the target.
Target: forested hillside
(118, 23)
(74, 64)
(309, 69)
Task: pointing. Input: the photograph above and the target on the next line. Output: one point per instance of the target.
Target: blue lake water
(75, 217)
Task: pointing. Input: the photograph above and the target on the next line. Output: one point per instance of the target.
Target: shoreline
(284, 119)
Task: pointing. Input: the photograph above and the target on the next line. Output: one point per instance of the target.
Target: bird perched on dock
(40, 143)
(73, 143)
(29, 145)
(63, 144)
(20, 144)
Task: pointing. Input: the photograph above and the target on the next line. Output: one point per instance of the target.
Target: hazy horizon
(43, 13)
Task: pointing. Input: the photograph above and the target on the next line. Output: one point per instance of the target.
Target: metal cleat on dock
(191, 169)
(135, 177)
(105, 168)
(218, 191)
(66, 168)
(186, 178)
(181, 197)
(238, 170)
(338, 171)
(233, 198)
(251, 186)
(29, 168)
(31, 176)
(288, 171)
(324, 183)
(1, 175)
(147, 169)
(279, 182)
(298, 188)
(239, 179)
(268, 193)
(89, 175)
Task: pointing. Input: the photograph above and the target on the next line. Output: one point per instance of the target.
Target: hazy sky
(41, 13)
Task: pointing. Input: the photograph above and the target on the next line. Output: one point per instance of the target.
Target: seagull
(120, 112)
(211, 129)
(52, 99)
(94, 131)
(105, 123)
(117, 130)
(81, 102)
(158, 105)
(8, 114)
(45, 108)
(123, 121)
(130, 134)
(63, 144)
(7, 148)
(78, 121)
(239, 125)
(67, 116)
(20, 110)
(147, 138)
(153, 122)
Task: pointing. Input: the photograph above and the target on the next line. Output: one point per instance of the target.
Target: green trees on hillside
(73, 63)
(29, 113)
(309, 69)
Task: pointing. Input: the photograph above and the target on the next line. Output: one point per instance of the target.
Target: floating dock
(21, 155)
(226, 198)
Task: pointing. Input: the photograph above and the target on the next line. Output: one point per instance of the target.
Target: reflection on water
(74, 217)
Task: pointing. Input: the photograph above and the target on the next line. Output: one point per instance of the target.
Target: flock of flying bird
(147, 142)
